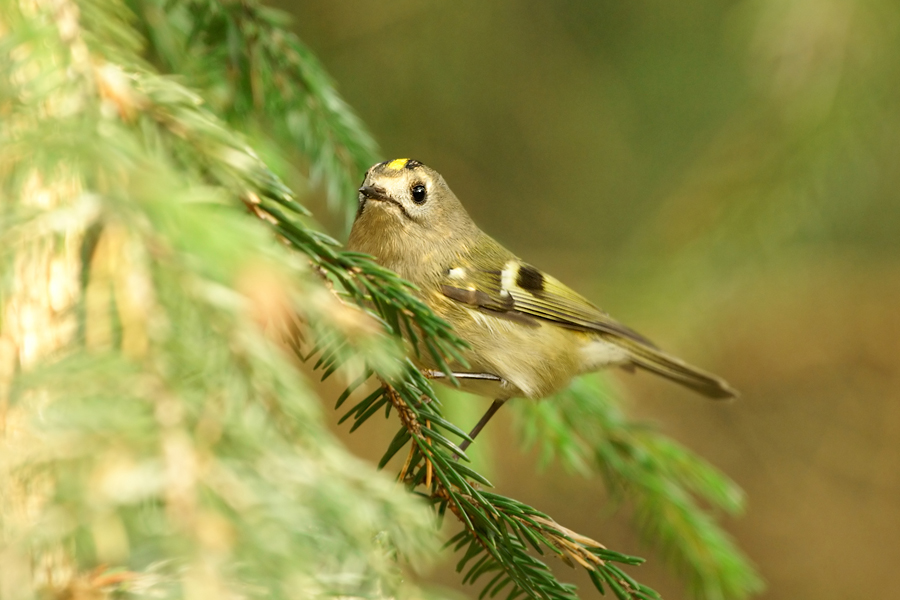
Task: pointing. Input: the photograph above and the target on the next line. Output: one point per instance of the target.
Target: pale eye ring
(418, 193)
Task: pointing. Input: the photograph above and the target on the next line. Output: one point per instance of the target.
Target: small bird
(528, 333)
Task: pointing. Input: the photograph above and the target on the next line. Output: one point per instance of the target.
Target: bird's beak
(373, 192)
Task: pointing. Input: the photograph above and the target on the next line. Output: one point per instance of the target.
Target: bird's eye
(418, 193)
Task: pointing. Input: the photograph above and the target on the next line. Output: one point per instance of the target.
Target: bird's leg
(431, 374)
(481, 423)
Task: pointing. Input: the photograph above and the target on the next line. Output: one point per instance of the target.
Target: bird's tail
(657, 361)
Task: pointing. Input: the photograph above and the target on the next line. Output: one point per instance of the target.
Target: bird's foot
(432, 374)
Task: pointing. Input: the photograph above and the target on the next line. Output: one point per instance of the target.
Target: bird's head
(407, 210)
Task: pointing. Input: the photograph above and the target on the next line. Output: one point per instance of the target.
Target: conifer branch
(584, 429)
(271, 81)
(502, 528)
(144, 420)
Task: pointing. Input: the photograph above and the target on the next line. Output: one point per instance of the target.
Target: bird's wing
(523, 293)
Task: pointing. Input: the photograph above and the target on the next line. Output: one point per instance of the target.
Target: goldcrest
(529, 334)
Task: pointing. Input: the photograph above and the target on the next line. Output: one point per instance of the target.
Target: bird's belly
(501, 390)
(533, 362)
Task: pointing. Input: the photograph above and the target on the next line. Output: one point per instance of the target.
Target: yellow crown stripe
(398, 163)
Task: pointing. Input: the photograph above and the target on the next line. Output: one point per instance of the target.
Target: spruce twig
(584, 428)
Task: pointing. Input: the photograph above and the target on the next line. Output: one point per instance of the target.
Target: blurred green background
(722, 176)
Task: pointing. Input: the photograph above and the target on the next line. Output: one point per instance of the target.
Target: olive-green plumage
(527, 330)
